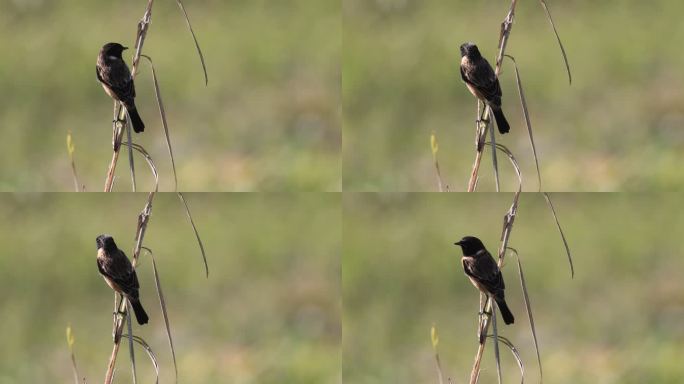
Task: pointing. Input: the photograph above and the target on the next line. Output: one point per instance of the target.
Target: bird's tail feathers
(501, 122)
(505, 312)
(140, 313)
(138, 125)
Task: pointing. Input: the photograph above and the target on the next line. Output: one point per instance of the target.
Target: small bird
(116, 80)
(482, 82)
(119, 274)
(484, 273)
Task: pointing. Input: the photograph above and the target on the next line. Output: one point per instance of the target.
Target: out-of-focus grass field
(268, 313)
(268, 120)
(618, 321)
(617, 127)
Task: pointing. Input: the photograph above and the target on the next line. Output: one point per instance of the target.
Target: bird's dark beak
(125, 48)
(457, 243)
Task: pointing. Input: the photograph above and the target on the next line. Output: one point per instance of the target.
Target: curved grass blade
(150, 353)
(495, 163)
(565, 57)
(130, 341)
(565, 242)
(194, 38)
(194, 228)
(162, 302)
(162, 113)
(497, 356)
(528, 306)
(527, 118)
(515, 353)
(130, 153)
(148, 158)
(513, 161)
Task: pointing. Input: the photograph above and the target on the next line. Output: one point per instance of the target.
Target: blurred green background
(617, 127)
(268, 120)
(618, 321)
(268, 313)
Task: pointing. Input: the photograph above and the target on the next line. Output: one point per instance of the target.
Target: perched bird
(116, 80)
(119, 274)
(484, 273)
(482, 82)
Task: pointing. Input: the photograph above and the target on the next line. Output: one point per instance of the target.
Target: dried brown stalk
(143, 220)
(143, 26)
(506, 27)
(509, 218)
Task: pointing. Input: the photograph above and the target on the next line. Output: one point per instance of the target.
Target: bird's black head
(106, 242)
(470, 50)
(470, 245)
(113, 49)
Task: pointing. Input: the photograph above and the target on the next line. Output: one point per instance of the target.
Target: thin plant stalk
(506, 27)
(509, 218)
(143, 220)
(143, 25)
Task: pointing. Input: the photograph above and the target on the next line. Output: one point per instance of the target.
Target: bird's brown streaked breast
(471, 260)
(467, 68)
(102, 259)
(110, 93)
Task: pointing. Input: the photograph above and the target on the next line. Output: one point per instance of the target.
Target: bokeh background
(268, 120)
(617, 127)
(617, 321)
(269, 312)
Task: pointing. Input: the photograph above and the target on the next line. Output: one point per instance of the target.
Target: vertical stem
(473, 174)
(130, 155)
(139, 40)
(506, 27)
(143, 220)
(109, 182)
(509, 218)
(112, 361)
(494, 162)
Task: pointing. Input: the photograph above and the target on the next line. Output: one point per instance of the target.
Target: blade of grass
(130, 153)
(194, 38)
(150, 353)
(565, 242)
(516, 354)
(148, 158)
(527, 118)
(513, 161)
(162, 113)
(130, 341)
(560, 43)
(496, 343)
(528, 306)
(194, 228)
(495, 164)
(165, 314)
